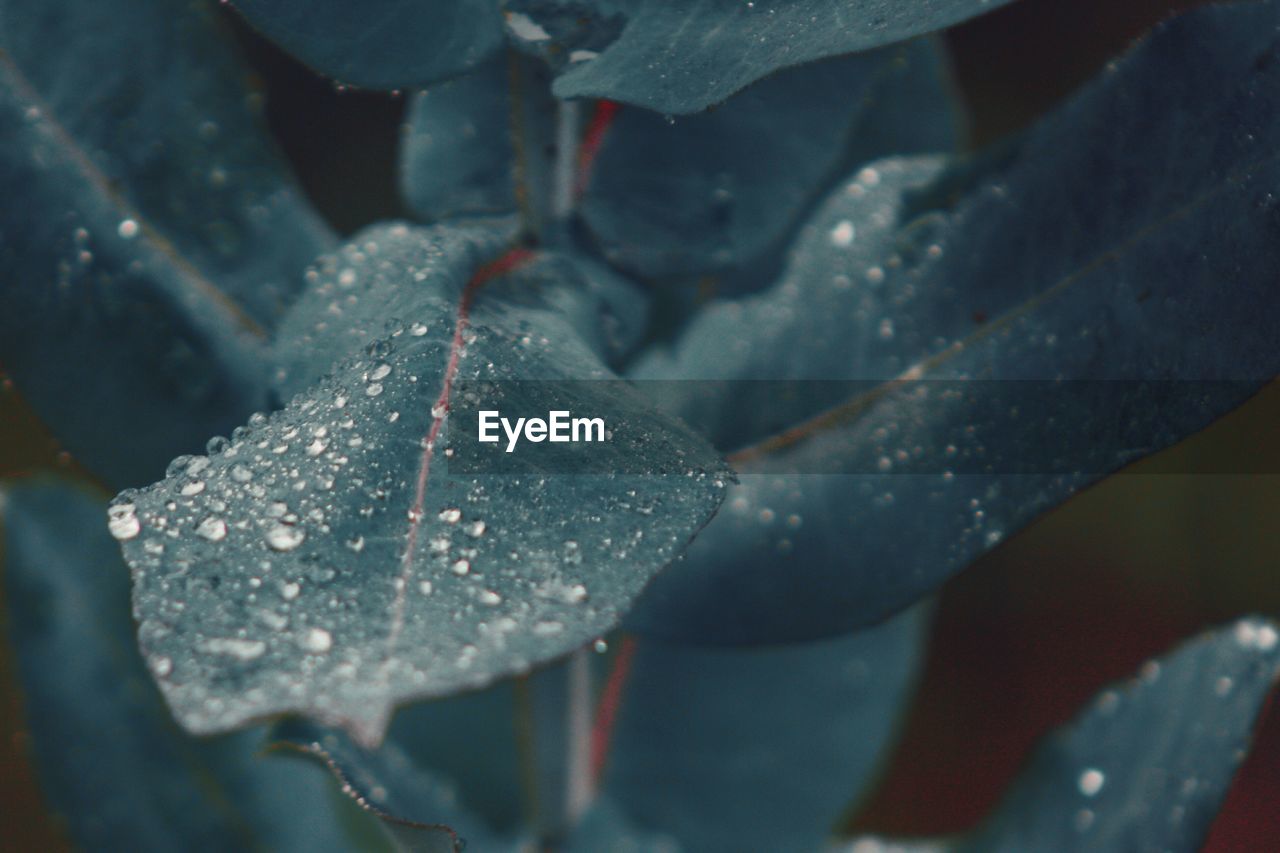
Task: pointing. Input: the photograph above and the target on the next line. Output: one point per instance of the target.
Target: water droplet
(424, 587)
(1091, 782)
(490, 598)
(241, 473)
(842, 234)
(417, 330)
(285, 537)
(461, 567)
(450, 516)
(236, 648)
(212, 528)
(381, 371)
(128, 229)
(291, 590)
(374, 389)
(122, 521)
(475, 529)
(356, 544)
(317, 640)
(195, 487)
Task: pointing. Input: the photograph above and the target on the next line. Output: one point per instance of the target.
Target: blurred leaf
(457, 157)
(109, 758)
(326, 560)
(727, 187)
(1100, 253)
(758, 749)
(158, 237)
(1146, 766)
(381, 44)
(417, 811)
(681, 56)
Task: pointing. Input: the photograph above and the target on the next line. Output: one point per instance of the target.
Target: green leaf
(326, 560)
(1147, 765)
(729, 187)
(411, 805)
(985, 348)
(681, 56)
(381, 44)
(109, 758)
(159, 236)
(758, 749)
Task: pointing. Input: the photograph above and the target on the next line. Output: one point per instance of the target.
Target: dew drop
(285, 537)
(1091, 782)
(317, 640)
(128, 229)
(212, 528)
(123, 522)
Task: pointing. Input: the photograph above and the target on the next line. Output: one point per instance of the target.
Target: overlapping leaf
(385, 44)
(737, 749)
(681, 56)
(727, 188)
(326, 560)
(1147, 765)
(154, 236)
(1120, 269)
(112, 764)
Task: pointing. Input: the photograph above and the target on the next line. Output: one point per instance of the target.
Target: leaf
(727, 188)
(387, 785)
(68, 619)
(681, 57)
(159, 236)
(326, 560)
(457, 157)
(1100, 254)
(760, 749)
(381, 44)
(1147, 764)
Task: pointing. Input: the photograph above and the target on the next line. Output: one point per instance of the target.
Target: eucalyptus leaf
(457, 157)
(159, 235)
(728, 187)
(68, 618)
(327, 559)
(416, 810)
(681, 56)
(1148, 764)
(381, 44)
(985, 358)
(758, 749)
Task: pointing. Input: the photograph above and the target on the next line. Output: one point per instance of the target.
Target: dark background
(1024, 637)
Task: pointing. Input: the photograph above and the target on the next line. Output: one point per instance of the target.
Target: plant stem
(579, 781)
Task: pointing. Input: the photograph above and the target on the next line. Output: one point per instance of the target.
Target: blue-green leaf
(758, 749)
(326, 559)
(681, 56)
(726, 188)
(418, 811)
(1147, 765)
(1099, 253)
(457, 157)
(381, 44)
(110, 760)
(159, 236)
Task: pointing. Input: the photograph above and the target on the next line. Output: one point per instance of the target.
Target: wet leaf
(991, 355)
(327, 560)
(737, 749)
(115, 768)
(681, 57)
(1147, 765)
(159, 236)
(728, 187)
(381, 44)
